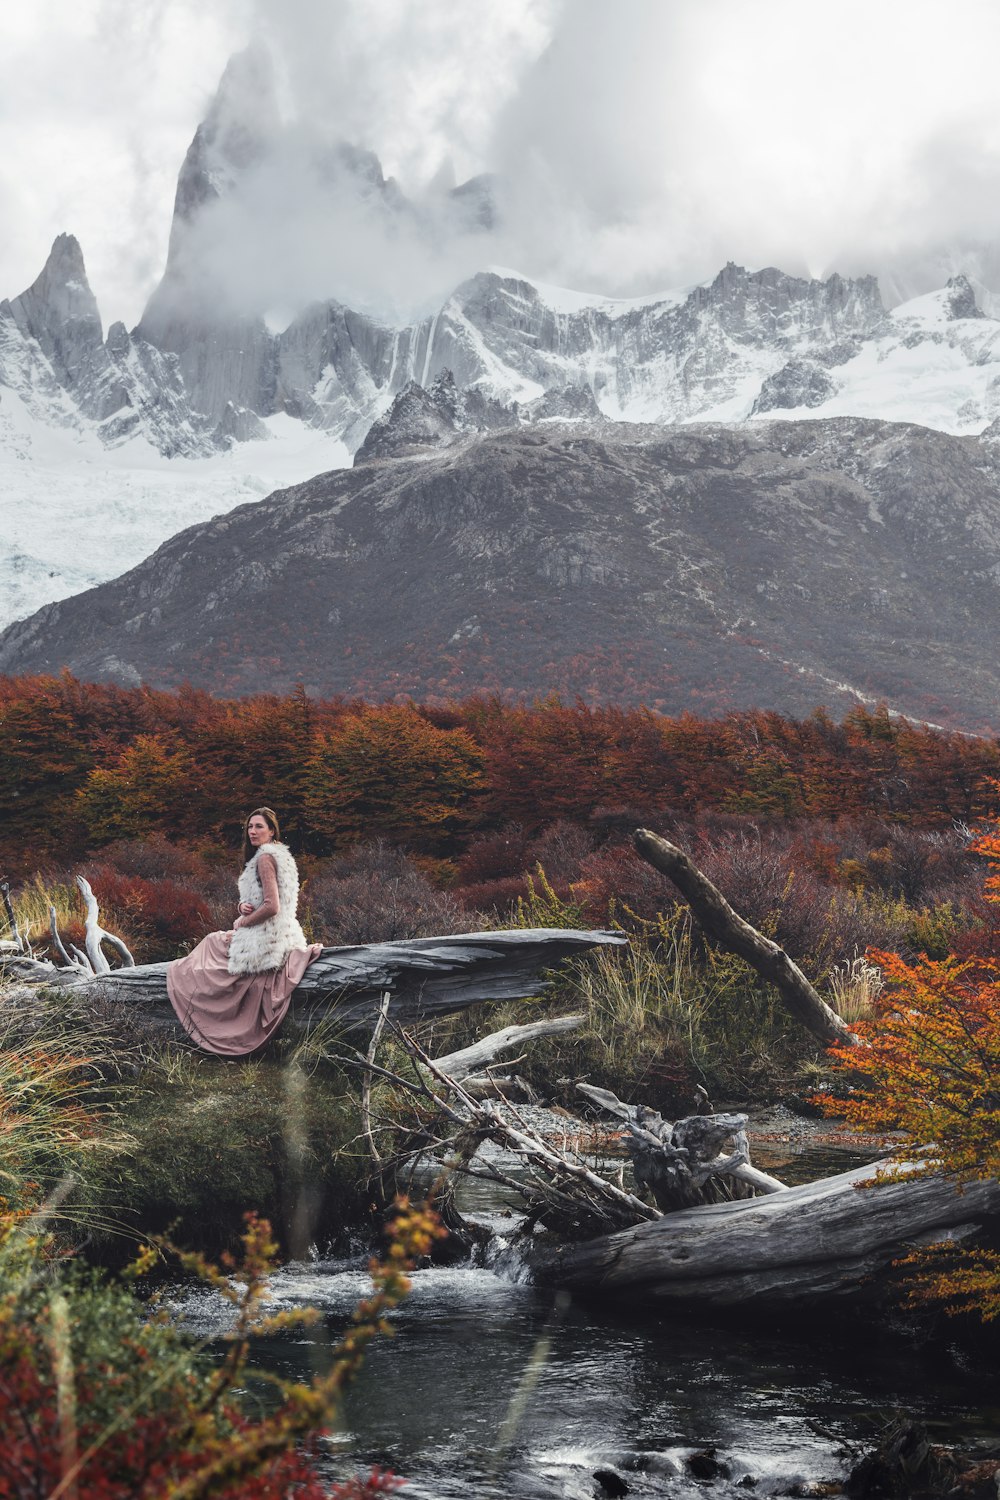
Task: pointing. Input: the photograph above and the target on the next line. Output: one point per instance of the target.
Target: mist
(634, 148)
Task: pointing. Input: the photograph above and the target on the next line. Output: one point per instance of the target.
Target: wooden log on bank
(423, 977)
(824, 1239)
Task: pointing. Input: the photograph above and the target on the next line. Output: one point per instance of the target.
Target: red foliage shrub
(617, 874)
(494, 896)
(156, 858)
(561, 850)
(159, 915)
(494, 856)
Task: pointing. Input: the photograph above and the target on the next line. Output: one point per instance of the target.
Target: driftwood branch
(366, 1085)
(505, 1127)
(20, 943)
(727, 928)
(96, 934)
(58, 944)
(480, 1054)
(680, 1163)
(556, 1180)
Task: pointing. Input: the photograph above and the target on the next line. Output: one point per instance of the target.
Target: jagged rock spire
(59, 311)
(962, 298)
(59, 306)
(241, 122)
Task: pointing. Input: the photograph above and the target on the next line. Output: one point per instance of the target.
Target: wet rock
(705, 1465)
(610, 1483)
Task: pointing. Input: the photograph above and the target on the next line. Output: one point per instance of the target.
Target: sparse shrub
(935, 930)
(543, 906)
(378, 894)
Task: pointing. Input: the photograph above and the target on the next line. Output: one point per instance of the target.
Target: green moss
(214, 1139)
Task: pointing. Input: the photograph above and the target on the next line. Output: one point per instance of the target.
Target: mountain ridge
(704, 566)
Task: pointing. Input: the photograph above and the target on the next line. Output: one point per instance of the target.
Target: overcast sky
(642, 142)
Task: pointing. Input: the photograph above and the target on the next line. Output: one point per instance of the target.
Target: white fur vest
(268, 943)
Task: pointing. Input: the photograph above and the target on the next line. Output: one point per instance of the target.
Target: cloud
(669, 139)
(98, 100)
(419, 83)
(638, 146)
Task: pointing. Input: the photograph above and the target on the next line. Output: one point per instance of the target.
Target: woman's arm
(271, 904)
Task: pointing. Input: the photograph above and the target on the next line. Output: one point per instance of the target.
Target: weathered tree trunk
(819, 1240)
(727, 928)
(424, 977)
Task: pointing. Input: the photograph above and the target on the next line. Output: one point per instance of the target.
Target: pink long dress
(233, 1014)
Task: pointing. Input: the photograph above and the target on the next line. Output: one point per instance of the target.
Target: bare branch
(366, 1086)
(469, 1059)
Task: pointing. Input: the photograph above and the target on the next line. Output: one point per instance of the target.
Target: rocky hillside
(782, 564)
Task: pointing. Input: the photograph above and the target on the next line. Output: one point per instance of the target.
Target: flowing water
(493, 1388)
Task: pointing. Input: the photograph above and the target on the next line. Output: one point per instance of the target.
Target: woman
(232, 991)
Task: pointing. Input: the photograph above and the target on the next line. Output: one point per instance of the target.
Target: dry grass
(854, 985)
(32, 903)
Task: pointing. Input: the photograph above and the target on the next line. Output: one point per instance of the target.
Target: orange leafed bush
(929, 1070)
(930, 1066)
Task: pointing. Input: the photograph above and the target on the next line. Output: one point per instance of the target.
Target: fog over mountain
(637, 147)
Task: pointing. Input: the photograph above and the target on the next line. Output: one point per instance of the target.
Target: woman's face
(259, 831)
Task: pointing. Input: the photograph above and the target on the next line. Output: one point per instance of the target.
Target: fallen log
(424, 977)
(727, 928)
(824, 1239)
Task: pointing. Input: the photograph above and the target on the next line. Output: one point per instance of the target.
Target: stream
(493, 1388)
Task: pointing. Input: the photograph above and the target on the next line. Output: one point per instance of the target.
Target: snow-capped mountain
(110, 444)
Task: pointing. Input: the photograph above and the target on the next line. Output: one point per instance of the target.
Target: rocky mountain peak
(241, 122)
(60, 293)
(962, 299)
(422, 418)
(777, 304)
(59, 313)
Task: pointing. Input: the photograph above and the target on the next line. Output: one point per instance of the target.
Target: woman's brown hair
(270, 818)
